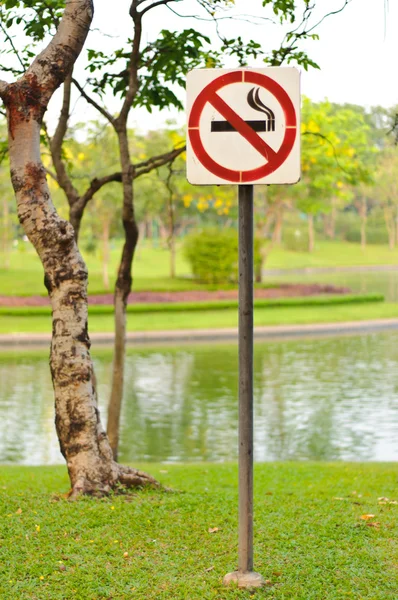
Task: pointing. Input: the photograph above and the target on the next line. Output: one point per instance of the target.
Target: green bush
(295, 239)
(374, 235)
(213, 255)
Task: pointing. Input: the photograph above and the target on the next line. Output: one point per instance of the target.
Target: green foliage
(295, 239)
(374, 235)
(213, 255)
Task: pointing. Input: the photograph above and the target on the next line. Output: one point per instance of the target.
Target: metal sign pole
(245, 577)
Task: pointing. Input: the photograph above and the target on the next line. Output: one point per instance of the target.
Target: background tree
(83, 442)
(387, 192)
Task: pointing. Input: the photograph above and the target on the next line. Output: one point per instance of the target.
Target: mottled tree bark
(83, 442)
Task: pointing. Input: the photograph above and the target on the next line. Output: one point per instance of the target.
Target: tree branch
(154, 5)
(62, 125)
(133, 66)
(16, 53)
(52, 175)
(91, 101)
(53, 64)
(63, 179)
(323, 137)
(3, 87)
(157, 161)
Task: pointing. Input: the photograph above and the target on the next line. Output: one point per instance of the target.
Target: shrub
(295, 239)
(213, 255)
(374, 235)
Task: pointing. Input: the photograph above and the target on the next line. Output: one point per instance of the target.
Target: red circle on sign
(208, 94)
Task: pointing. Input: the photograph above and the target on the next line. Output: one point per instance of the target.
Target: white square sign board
(243, 126)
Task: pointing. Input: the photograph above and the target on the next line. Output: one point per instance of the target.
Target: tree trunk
(390, 225)
(83, 442)
(171, 238)
(105, 252)
(330, 221)
(311, 234)
(277, 234)
(122, 291)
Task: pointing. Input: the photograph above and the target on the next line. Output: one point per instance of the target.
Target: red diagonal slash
(242, 127)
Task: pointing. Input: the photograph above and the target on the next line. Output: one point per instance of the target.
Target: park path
(274, 332)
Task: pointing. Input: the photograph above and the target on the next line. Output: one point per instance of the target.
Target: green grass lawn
(214, 319)
(310, 540)
(151, 266)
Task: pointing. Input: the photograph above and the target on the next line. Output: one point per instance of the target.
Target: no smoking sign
(243, 126)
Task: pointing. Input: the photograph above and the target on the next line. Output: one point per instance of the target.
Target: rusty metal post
(245, 577)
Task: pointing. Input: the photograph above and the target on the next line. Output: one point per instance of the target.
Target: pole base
(244, 580)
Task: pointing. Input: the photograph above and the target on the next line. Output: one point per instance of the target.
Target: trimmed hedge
(103, 309)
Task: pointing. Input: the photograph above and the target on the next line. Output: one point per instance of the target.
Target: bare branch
(157, 161)
(91, 101)
(323, 137)
(52, 175)
(62, 125)
(16, 53)
(335, 12)
(95, 185)
(133, 67)
(154, 5)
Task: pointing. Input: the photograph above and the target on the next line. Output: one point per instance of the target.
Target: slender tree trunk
(122, 291)
(171, 236)
(390, 225)
(105, 252)
(172, 257)
(277, 234)
(263, 233)
(311, 234)
(82, 440)
(330, 221)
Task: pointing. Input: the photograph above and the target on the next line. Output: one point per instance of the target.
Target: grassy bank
(310, 540)
(197, 319)
(151, 266)
(214, 305)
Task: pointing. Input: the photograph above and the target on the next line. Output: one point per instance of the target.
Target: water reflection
(324, 399)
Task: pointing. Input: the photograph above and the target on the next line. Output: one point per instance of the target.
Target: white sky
(357, 50)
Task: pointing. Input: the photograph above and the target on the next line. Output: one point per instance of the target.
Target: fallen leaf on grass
(377, 525)
(209, 569)
(62, 568)
(212, 529)
(19, 511)
(367, 517)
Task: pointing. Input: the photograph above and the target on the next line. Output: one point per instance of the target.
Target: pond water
(329, 398)
(383, 281)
